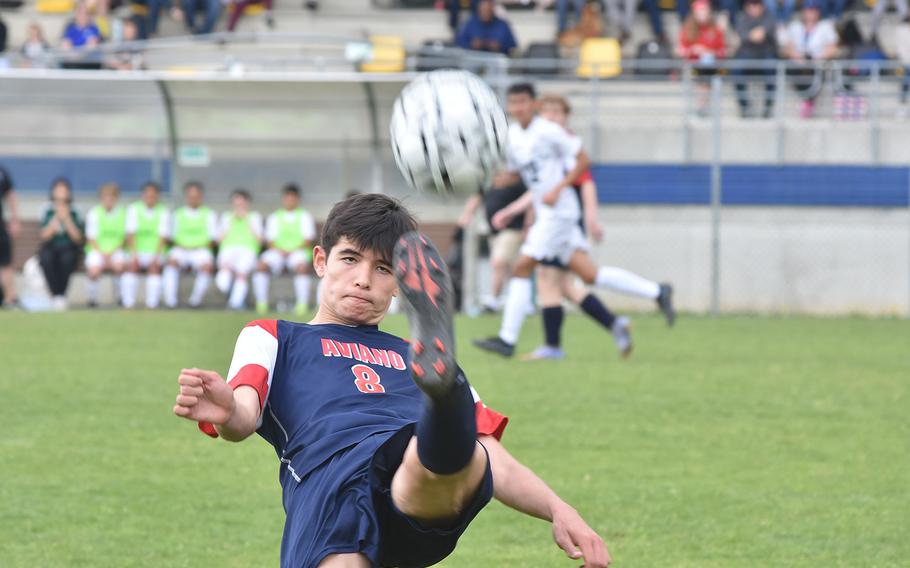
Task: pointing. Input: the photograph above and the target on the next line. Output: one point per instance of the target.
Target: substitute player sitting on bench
(386, 452)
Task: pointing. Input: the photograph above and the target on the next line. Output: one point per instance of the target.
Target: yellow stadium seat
(388, 55)
(55, 6)
(599, 57)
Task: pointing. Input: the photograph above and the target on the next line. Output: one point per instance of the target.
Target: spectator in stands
(238, 6)
(154, 11)
(756, 30)
(881, 6)
(808, 41)
(562, 13)
(683, 7)
(147, 223)
(505, 243)
(81, 33)
(486, 32)
(701, 40)
(105, 235)
(190, 9)
(193, 231)
(902, 42)
(35, 47)
(61, 237)
(128, 55)
(454, 9)
(8, 232)
(624, 15)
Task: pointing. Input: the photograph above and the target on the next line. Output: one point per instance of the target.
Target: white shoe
(59, 304)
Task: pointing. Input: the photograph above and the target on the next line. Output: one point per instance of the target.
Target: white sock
(152, 291)
(303, 283)
(92, 288)
(129, 282)
(118, 289)
(200, 286)
(238, 293)
(223, 280)
(261, 287)
(625, 282)
(516, 309)
(171, 277)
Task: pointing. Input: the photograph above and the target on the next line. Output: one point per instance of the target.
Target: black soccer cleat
(495, 344)
(665, 303)
(423, 279)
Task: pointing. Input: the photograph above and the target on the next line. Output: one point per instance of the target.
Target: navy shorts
(6, 249)
(345, 505)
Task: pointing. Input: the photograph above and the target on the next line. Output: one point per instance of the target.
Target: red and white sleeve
(489, 422)
(253, 363)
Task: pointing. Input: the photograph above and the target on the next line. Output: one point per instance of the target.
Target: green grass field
(724, 442)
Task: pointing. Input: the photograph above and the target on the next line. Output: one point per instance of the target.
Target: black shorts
(346, 506)
(6, 248)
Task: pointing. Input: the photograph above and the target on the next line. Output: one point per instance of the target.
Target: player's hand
(204, 397)
(552, 196)
(500, 219)
(595, 230)
(578, 540)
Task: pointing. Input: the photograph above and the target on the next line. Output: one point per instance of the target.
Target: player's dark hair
(371, 221)
(193, 183)
(292, 188)
(151, 184)
(65, 182)
(241, 193)
(522, 89)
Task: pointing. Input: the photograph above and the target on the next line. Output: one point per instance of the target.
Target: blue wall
(855, 186)
(86, 174)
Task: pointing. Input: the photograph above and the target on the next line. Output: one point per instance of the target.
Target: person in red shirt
(701, 40)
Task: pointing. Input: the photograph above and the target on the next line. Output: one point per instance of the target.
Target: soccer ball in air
(448, 133)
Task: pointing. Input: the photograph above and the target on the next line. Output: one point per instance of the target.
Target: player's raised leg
(443, 466)
(625, 282)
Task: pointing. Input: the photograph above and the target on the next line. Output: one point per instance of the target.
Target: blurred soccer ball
(448, 133)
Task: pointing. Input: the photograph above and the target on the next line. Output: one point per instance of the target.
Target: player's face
(193, 196)
(108, 199)
(150, 196)
(357, 285)
(554, 112)
(521, 107)
(290, 201)
(240, 205)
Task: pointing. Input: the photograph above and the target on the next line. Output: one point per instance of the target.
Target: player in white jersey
(289, 235)
(147, 222)
(239, 242)
(554, 282)
(194, 229)
(539, 150)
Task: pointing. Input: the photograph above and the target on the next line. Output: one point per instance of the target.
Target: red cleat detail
(439, 366)
(439, 344)
(418, 347)
(418, 370)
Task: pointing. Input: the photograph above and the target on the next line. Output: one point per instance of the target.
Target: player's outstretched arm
(205, 397)
(518, 487)
(502, 217)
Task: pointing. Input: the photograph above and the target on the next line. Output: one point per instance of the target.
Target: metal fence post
(780, 83)
(716, 92)
(595, 111)
(470, 301)
(874, 109)
(687, 114)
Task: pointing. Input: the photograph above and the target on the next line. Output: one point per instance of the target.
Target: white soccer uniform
(132, 225)
(239, 259)
(273, 258)
(540, 154)
(193, 258)
(94, 258)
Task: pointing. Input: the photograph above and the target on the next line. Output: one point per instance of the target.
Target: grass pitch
(724, 442)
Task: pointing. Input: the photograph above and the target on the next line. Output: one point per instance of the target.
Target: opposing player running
(555, 282)
(386, 452)
(539, 151)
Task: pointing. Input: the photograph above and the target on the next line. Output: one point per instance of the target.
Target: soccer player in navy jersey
(386, 452)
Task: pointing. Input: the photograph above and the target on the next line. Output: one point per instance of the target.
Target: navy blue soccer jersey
(327, 387)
